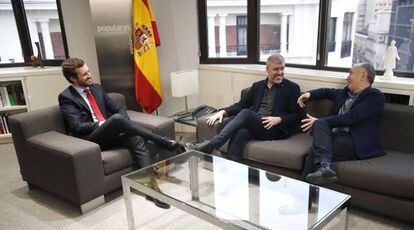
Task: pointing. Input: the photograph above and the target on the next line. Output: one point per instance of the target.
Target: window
(227, 30)
(26, 23)
(10, 49)
(283, 27)
(319, 34)
(375, 25)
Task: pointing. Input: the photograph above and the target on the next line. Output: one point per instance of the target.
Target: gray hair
(370, 71)
(275, 58)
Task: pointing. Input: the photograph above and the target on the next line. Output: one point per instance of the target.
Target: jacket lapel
(258, 96)
(79, 98)
(359, 98)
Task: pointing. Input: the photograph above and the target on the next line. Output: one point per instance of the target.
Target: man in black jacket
(268, 112)
(351, 131)
(90, 114)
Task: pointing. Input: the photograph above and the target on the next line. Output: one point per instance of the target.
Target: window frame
(25, 39)
(253, 46)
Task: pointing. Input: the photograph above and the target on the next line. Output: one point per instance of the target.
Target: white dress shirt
(85, 98)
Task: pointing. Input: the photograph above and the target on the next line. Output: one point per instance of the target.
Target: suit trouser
(245, 126)
(328, 147)
(120, 131)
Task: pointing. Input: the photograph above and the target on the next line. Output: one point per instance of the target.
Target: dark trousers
(328, 147)
(120, 131)
(245, 126)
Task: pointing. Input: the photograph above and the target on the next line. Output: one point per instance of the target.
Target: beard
(277, 80)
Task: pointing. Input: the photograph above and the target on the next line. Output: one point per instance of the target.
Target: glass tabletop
(237, 194)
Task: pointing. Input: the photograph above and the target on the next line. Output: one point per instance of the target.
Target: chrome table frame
(341, 210)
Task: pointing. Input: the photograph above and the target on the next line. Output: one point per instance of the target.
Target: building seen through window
(43, 24)
(10, 49)
(43, 21)
(289, 28)
(366, 37)
(356, 31)
(227, 28)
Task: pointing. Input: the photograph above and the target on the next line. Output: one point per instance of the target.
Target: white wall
(79, 33)
(177, 26)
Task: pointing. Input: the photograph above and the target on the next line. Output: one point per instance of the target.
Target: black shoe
(205, 146)
(324, 175)
(181, 149)
(158, 203)
(172, 144)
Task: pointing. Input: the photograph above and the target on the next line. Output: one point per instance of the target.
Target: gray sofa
(72, 168)
(383, 185)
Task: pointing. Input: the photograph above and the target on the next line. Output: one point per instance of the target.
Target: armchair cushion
(116, 159)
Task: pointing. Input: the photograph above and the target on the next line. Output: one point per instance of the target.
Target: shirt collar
(79, 89)
(356, 94)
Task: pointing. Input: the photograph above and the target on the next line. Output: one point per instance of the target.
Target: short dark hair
(370, 71)
(69, 67)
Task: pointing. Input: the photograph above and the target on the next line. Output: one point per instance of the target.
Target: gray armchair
(72, 168)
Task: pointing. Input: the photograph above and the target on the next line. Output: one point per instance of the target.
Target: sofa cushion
(288, 153)
(116, 159)
(396, 131)
(391, 174)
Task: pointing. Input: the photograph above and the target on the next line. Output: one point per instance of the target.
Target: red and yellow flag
(148, 91)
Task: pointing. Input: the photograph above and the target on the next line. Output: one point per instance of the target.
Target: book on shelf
(4, 96)
(4, 126)
(11, 93)
(6, 122)
(18, 91)
(2, 129)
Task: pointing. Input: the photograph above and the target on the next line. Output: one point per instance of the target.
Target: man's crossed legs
(120, 131)
(245, 126)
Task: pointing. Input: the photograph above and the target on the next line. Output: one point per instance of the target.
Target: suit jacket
(363, 118)
(77, 115)
(284, 103)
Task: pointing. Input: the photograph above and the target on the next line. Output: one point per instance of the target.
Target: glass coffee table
(235, 196)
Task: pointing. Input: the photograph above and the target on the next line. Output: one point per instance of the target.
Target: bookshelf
(12, 101)
(25, 89)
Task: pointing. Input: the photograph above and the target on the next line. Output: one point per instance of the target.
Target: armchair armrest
(160, 125)
(206, 132)
(67, 166)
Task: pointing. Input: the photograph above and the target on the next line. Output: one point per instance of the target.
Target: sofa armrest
(160, 125)
(206, 132)
(67, 166)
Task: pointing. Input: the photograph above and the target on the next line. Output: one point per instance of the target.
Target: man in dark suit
(90, 114)
(268, 112)
(351, 130)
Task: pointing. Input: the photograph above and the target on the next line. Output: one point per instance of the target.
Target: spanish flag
(148, 90)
